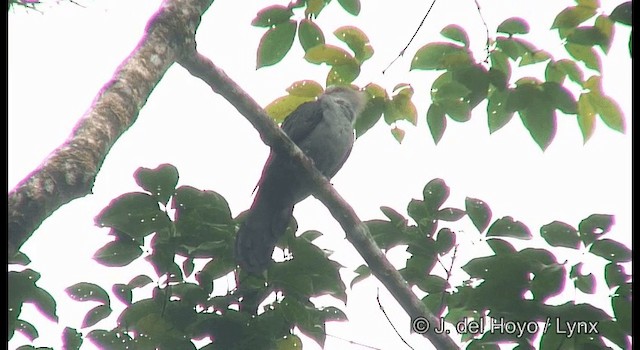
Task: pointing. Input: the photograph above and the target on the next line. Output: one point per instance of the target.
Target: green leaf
(532, 57)
(498, 115)
(508, 227)
(437, 122)
(433, 284)
(572, 16)
(609, 112)
(136, 214)
(160, 182)
(305, 88)
(435, 193)
(500, 62)
(586, 283)
(587, 36)
(559, 234)
(401, 107)
(557, 70)
(118, 253)
(560, 97)
(548, 282)
(605, 25)
(398, 134)
(44, 302)
(96, 315)
(611, 250)
(614, 275)
(275, 44)
(514, 25)
(27, 329)
(586, 116)
(351, 6)
(272, 15)
(85, 291)
(479, 213)
(123, 292)
(283, 106)
(71, 339)
(309, 34)
(357, 41)
(332, 313)
(589, 3)
(343, 74)
(596, 224)
(436, 56)
(363, 271)
(622, 13)
(187, 267)
(450, 214)
(445, 240)
(287, 343)
(19, 258)
(140, 281)
(372, 110)
(585, 54)
(314, 7)
(456, 33)
(500, 246)
(328, 54)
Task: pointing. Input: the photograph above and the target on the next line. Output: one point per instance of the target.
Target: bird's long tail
(265, 223)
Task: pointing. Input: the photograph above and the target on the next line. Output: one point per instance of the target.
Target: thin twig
(486, 27)
(388, 319)
(352, 342)
(413, 37)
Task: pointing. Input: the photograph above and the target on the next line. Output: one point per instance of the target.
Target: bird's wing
(301, 122)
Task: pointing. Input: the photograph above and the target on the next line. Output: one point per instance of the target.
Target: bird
(323, 130)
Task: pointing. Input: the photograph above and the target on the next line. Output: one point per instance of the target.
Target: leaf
(272, 15)
(123, 292)
(557, 70)
(456, 33)
(27, 329)
(585, 54)
(586, 116)
(351, 6)
(19, 258)
(586, 284)
(44, 302)
(508, 227)
(96, 315)
(275, 44)
(373, 109)
(357, 41)
(283, 106)
(118, 253)
(611, 250)
(139, 281)
(437, 122)
(435, 193)
(559, 234)
(587, 36)
(548, 282)
(136, 214)
(614, 275)
(609, 112)
(305, 88)
(160, 182)
(500, 246)
(597, 224)
(560, 97)
(514, 25)
(398, 134)
(479, 213)
(187, 267)
(445, 241)
(328, 54)
(309, 34)
(436, 56)
(71, 339)
(363, 271)
(622, 13)
(85, 291)
(343, 74)
(498, 115)
(450, 214)
(572, 16)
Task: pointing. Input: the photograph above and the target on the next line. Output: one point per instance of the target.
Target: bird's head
(353, 99)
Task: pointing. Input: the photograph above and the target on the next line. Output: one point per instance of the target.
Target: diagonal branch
(357, 232)
(70, 170)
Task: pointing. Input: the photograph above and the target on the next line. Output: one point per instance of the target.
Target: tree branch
(357, 232)
(70, 170)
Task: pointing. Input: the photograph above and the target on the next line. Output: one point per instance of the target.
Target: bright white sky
(60, 59)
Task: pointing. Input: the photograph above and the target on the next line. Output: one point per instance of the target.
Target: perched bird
(323, 130)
